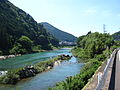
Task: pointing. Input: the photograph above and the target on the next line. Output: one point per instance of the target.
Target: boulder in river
(56, 63)
(2, 73)
(64, 57)
(2, 57)
(28, 71)
(49, 67)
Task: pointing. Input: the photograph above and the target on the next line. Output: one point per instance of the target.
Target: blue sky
(75, 16)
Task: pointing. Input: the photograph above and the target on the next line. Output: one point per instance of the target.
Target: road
(117, 72)
(111, 74)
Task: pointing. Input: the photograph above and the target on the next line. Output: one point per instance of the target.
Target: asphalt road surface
(117, 72)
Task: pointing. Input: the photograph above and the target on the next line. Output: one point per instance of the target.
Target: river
(43, 80)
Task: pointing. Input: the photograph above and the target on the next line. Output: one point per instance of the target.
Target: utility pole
(104, 28)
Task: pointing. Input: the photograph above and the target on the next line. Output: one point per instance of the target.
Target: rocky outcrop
(49, 67)
(64, 57)
(2, 57)
(8, 56)
(56, 63)
(28, 71)
(2, 73)
(61, 58)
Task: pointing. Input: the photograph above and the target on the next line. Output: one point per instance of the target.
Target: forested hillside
(116, 35)
(19, 32)
(60, 35)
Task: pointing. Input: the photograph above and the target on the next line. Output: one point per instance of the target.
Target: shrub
(10, 78)
(100, 57)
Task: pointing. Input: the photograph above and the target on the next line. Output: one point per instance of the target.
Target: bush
(93, 44)
(10, 78)
(114, 47)
(36, 48)
(101, 57)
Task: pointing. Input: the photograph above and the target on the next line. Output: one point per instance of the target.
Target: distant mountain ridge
(59, 34)
(116, 35)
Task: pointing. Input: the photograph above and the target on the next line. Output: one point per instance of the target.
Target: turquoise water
(30, 59)
(47, 79)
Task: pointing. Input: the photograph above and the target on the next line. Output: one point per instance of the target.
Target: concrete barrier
(102, 76)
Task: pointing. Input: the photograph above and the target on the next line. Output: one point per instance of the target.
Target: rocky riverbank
(8, 56)
(13, 76)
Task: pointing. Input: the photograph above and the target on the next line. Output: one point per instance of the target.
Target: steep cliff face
(15, 23)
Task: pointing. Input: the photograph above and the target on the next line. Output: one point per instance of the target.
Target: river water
(43, 80)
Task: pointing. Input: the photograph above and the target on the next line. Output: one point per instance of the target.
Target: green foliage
(93, 48)
(79, 40)
(81, 53)
(16, 23)
(10, 78)
(78, 81)
(92, 44)
(36, 48)
(116, 45)
(26, 43)
(17, 49)
(101, 57)
(22, 46)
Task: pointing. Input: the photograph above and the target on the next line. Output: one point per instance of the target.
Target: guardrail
(102, 76)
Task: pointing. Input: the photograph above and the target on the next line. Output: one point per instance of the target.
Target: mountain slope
(60, 35)
(15, 23)
(116, 35)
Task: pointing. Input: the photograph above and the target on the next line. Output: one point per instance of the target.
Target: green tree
(26, 43)
(94, 43)
(18, 49)
(22, 46)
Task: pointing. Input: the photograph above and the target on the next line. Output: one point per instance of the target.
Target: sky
(77, 17)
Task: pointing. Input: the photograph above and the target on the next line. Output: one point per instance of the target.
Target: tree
(22, 46)
(94, 43)
(26, 43)
(18, 49)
